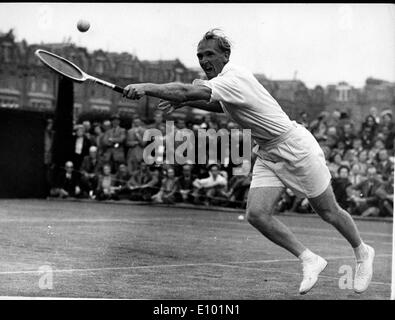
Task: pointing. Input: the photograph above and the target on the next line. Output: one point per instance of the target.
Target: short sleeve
(225, 88)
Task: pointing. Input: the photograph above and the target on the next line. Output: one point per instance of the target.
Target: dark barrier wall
(22, 171)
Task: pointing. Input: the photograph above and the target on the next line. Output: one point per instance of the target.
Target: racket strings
(62, 66)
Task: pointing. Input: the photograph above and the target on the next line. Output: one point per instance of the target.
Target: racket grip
(118, 89)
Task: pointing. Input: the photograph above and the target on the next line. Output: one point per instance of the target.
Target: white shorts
(294, 160)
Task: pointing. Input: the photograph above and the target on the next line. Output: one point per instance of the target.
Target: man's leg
(327, 207)
(260, 205)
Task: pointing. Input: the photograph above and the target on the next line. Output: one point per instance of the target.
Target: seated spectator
(286, 202)
(347, 135)
(113, 140)
(144, 183)
(372, 158)
(106, 184)
(121, 178)
(210, 188)
(185, 182)
(67, 183)
(384, 165)
(386, 195)
(239, 184)
(363, 160)
(335, 161)
(90, 170)
(340, 186)
(368, 131)
(169, 188)
(364, 199)
(357, 174)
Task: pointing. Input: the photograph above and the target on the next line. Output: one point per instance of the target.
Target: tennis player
(288, 154)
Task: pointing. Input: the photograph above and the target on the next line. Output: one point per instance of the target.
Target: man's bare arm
(178, 92)
(170, 106)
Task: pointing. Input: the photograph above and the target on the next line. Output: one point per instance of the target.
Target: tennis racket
(68, 69)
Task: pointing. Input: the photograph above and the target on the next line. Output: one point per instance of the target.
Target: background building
(27, 84)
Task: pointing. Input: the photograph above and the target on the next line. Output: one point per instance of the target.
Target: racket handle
(118, 89)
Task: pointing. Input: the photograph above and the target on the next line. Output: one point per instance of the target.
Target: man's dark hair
(216, 34)
(343, 167)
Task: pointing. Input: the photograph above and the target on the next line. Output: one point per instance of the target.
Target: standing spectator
(67, 183)
(81, 146)
(169, 188)
(114, 140)
(135, 144)
(158, 120)
(48, 142)
(364, 197)
(90, 170)
(87, 129)
(97, 134)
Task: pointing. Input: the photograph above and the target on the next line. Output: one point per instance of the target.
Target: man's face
(214, 171)
(123, 169)
(343, 173)
(211, 58)
(371, 174)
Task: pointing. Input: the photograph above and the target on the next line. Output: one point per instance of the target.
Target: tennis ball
(83, 25)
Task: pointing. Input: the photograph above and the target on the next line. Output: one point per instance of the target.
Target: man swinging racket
(288, 154)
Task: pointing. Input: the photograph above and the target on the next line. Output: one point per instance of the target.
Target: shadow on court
(98, 250)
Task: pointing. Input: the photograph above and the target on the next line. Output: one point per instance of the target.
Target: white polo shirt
(248, 103)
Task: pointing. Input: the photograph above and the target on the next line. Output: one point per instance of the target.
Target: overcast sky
(323, 43)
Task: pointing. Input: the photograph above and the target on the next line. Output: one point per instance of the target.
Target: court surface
(99, 250)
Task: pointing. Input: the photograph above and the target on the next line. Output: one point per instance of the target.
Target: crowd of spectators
(108, 164)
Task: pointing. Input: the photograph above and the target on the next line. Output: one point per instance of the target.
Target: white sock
(361, 252)
(307, 255)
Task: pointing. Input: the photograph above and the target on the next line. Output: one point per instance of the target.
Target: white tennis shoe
(364, 271)
(311, 269)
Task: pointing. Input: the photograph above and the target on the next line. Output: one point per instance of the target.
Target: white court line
(170, 221)
(291, 273)
(173, 265)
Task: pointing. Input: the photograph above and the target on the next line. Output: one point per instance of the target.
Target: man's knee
(257, 215)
